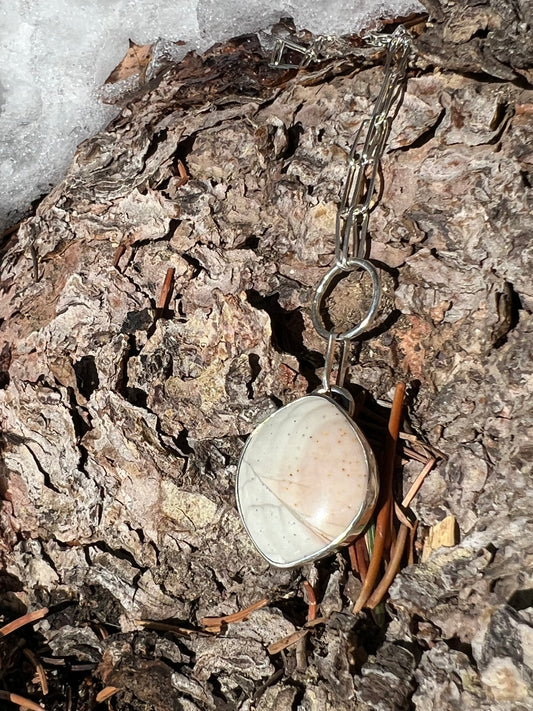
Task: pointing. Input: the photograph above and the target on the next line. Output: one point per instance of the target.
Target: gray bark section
(122, 426)
(481, 36)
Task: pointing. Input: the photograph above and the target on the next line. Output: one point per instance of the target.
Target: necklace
(307, 480)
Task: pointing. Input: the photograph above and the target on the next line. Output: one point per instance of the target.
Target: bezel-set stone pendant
(307, 482)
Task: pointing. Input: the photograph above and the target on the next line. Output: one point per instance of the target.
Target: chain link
(358, 198)
(360, 194)
(322, 47)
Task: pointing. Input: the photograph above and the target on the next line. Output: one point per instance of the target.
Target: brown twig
(165, 290)
(104, 634)
(184, 175)
(392, 568)
(41, 674)
(358, 553)
(415, 486)
(118, 254)
(295, 637)
(361, 551)
(353, 558)
(216, 623)
(26, 619)
(167, 627)
(384, 516)
(21, 701)
(122, 247)
(401, 516)
(287, 641)
(413, 454)
(422, 447)
(311, 601)
(276, 676)
(301, 655)
(317, 621)
(408, 437)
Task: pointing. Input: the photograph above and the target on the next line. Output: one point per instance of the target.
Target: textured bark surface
(481, 36)
(122, 423)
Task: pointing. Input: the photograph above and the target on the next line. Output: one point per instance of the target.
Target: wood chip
(442, 534)
(106, 693)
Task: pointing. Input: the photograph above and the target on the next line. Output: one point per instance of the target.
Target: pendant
(307, 482)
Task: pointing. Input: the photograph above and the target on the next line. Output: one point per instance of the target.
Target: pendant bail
(336, 390)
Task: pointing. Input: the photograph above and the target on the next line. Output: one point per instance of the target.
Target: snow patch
(56, 54)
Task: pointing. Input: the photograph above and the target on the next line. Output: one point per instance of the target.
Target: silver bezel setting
(359, 521)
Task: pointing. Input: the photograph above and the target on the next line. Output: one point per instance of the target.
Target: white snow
(56, 54)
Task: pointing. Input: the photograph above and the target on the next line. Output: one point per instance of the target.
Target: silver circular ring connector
(318, 302)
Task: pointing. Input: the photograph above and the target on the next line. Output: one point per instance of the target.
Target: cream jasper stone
(306, 482)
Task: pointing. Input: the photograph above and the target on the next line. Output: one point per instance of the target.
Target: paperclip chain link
(359, 195)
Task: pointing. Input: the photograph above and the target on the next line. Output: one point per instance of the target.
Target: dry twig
(415, 486)
(168, 627)
(162, 302)
(412, 537)
(384, 516)
(287, 641)
(353, 558)
(215, 624)
(401, 516)
(26, 619)
(361, 552)
(184, 175)
(41, 674)
(21, 701)
(392, 568)
(311, 601)
(413, 454)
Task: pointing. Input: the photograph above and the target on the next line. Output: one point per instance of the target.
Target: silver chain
(359, 197)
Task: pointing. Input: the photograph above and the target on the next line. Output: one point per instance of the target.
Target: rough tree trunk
(122, 422)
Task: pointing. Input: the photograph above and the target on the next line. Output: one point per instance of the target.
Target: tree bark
(123, 420)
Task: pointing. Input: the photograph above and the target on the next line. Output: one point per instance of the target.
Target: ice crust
(56, 54)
